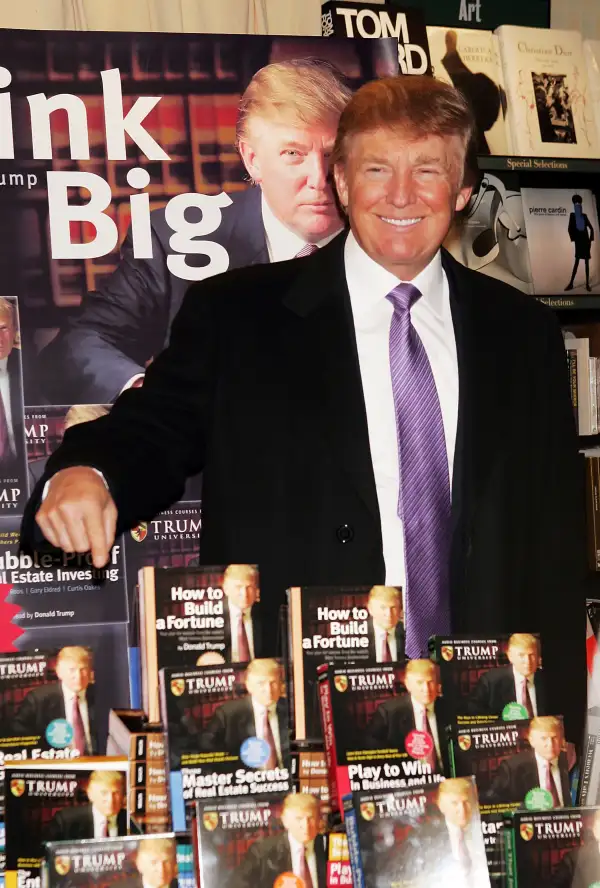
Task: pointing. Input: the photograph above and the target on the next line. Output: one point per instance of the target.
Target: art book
(186, 613)
(270, 841)
(59, 801)
(423, 836)
(562, 233)
(554, 848)
(383, 727)
(490, 678)
(227, 732)
(470, 61)
(126, 862)
(549, 109)
(338, 625)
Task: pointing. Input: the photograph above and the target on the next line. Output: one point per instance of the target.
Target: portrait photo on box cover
(12, 436)
(149, 863)
(521, 681)
(386, 623)
(155, 863)
(542, 766)
(256, 127)
(103, 815)
(579, 867)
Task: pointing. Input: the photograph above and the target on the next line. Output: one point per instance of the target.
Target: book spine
(358, 876)
(509, 852)
(329, 737)
(593, 396)
(509, 68)
(583, 386)
(572, 365)
(587, 763)
(593, 510)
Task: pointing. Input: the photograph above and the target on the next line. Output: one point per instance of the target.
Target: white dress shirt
(68, 697)
(236, 614)
(520, 680)
(274, 723)
(298, 852)
(542, 764)
(380, 637)
(368, 285)
(100, 823)
(478, 876)
(282, 243)
(5, 393)
(419, 710)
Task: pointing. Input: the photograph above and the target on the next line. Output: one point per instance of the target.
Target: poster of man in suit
(13, 459)
(521, 682)
(66, 706)
(105, 815)
(156, 864)
(386, 623)
(242, 621)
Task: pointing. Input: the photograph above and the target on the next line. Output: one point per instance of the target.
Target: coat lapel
(321, 349)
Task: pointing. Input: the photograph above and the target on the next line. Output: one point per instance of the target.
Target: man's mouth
(401, 223)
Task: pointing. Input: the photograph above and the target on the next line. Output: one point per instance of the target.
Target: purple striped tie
(424, 497)
(307, 250)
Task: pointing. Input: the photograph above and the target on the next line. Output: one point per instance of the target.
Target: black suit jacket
(496, 688)
(126, 323)
(517, 775)
(42, 705)
(233, 722)
(78, 823)
(400, 637)
(394, 719)
(269, 858)
(272, 349)
(579, 868)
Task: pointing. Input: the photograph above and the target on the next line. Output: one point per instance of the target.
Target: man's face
(386, 612)
(401, 194)
(157, 868)
(422, 686)
(291, 165)
(264, 687)
(107, 798)
(525, 660)
(547, 744)
(7, 337)
(302, 823)
(74, 674)
(241, 589)
(457, 808)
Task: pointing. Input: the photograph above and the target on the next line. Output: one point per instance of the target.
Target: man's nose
(401, 188)
(317, 171)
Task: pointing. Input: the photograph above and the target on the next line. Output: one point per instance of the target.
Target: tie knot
(307, 250)
(403, 297)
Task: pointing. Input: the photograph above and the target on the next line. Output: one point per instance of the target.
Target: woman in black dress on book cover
(582, 235)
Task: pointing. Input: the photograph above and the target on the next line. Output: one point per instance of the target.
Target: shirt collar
(70, 695)
(236, 611)
(374, 282)
(3, 365)
(543, 763)
(519, 679)
(419, 707)
(283, 243)
(297, 847)
(382, 632)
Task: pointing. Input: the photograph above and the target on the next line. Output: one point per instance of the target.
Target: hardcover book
(554, 848)
(338, 625)
(186, 613)
(549, 110)
(589, 785)
(490, 678)
(59, 801)
(126, 862)
(567, 220)
(383, 727)
(252, 842)
(591, 50)
(227, 732)
(309, 774)
(428, 835)
(470, 60)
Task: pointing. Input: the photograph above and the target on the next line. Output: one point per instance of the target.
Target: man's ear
(463, 197)
(250, 161)
(341, 186)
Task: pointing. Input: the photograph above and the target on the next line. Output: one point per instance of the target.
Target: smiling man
(287, 120)
(374, 413)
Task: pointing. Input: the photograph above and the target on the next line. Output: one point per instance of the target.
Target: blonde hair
(421, 666)
(302, 801)
(386, 593)
(306, 91)
(157, 846)
(83, 413)
(546, 723)
(107, 777)
(234, 570)
(7, 310)
(263, 667)
(456, 786)
(74, 652)
(523, 640)
(419, 105)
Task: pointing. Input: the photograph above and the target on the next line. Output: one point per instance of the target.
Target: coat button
(345, 533)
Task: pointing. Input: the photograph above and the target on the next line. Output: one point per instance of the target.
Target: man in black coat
(543, 766)
(386, 627)
(420, 709)
(156, 863)
(243, 629)
(71, 698)
(104, 817)
(12, 441)
(262, 387)
(299, 850)
(522, 682)
(287, 120)
(263, 713)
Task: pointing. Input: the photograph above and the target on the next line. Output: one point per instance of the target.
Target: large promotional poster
(132, 166)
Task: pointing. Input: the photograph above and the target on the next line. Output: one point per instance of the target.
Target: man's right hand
(79, 514)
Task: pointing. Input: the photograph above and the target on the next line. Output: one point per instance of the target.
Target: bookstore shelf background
(146, 741)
